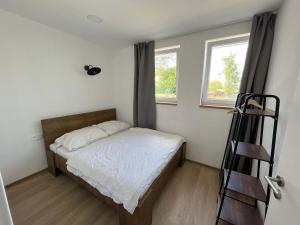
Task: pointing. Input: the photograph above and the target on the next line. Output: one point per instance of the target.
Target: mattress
(123, 166)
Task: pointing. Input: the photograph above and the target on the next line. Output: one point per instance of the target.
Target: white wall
(42, 76)
(205, 129)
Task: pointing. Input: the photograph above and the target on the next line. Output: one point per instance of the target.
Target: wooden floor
(188, 199)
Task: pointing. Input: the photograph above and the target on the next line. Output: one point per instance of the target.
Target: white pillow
(80, 138)
(113, 126)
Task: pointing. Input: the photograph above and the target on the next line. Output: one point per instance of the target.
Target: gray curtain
(144, 106)
(254, 80)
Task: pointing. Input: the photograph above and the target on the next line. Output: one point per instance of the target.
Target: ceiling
(128, 21)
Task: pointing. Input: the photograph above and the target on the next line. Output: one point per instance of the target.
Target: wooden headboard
(55, 127)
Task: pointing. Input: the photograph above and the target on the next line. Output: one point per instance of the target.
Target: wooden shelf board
(238, 213)
(240, 197)
(235, 195)
(245, 185)
(258, 112)
(251, 151)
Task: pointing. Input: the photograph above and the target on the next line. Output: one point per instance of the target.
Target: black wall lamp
(92, 70)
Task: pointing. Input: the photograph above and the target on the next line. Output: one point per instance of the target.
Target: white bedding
(79, 138)
(62, 151)
(124, 165)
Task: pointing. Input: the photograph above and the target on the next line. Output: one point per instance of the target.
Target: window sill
(216, 106)
(166, 103)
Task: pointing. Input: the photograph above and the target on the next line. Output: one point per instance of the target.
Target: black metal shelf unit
(239, 193)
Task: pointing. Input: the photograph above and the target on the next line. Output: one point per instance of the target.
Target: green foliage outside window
(230, 87)
(165, 75)
(166, 82)
(232, 79)
(215, 86)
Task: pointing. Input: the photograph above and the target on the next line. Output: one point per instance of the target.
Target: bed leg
(141, 216)
(51, 163)
(54, 171)
(183, 151)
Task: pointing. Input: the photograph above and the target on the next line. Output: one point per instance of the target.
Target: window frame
(162, 51)
(209, 44)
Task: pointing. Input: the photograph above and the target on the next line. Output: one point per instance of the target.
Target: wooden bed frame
(55, 127)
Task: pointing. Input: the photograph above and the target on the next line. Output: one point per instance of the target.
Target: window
(223, 68)
(166, 74)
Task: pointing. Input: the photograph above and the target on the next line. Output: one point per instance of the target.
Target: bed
(58, 162)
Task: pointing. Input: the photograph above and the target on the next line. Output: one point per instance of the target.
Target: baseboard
(202, 164)
(42, 171)
(25, 178)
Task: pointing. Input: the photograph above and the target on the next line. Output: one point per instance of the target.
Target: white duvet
(124, 165)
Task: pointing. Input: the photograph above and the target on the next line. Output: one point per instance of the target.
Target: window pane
(226, 68)
(165, 75)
